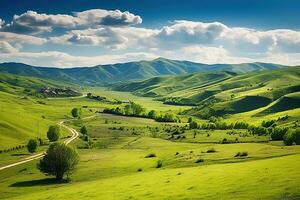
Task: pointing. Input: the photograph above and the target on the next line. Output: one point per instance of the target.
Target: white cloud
(108, 17)
(19, 38)
(32, 22)
(1, 22)
(6, 47)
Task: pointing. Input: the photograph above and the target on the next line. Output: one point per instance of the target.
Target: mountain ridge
(120, 72)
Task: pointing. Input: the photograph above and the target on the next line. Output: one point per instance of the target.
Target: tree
(59, 160)
(53, 133)
(32, 145)
(193, 125)
(289, 137)
(83, 130)
(152, 114)
(297, 136)
(278, 133)
(75, 112)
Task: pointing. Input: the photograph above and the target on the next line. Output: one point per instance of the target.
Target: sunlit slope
(221, 93)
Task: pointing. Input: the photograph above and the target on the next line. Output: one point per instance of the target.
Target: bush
(289, 137)
(267, 124)
(241, 154)
(139, 169)
(159, 164)
(59, 160)
(193, 125)
(278, 133)
(297, 136)
(53, 133)
(32, 145)
(199, 160)
(83, 130)
(75, 112)
(211, 150)
(150, 155)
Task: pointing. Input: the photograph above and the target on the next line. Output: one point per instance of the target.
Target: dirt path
(75, 134)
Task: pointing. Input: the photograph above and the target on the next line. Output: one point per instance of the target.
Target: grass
(136, 158)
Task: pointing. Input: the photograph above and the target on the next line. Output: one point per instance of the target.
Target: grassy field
(120, 160)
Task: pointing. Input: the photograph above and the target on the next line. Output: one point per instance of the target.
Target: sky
(64, 33)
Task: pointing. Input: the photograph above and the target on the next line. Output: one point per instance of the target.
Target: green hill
(221, 93)
(107, 74)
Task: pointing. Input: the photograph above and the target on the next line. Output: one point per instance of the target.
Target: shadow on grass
(20, 154)
(40, 182)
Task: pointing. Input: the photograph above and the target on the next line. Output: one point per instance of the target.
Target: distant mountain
(107, 74)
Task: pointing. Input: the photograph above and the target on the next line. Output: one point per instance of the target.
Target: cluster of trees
(136, 110)
(218, 125)
(53, 134)
(12, 148)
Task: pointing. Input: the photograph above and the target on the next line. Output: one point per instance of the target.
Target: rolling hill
(113, 73)
(222, 93)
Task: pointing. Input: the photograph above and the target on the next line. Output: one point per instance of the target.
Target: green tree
(83, 130)
(289, 137)
(193, 125)
(297, 136)
(75, 112)
(53, 133)
(152, 114)
(59, 160)
(32, 145)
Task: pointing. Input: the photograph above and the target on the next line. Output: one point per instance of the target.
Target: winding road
(75, 134)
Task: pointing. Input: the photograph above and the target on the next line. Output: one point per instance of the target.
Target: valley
(180, 134)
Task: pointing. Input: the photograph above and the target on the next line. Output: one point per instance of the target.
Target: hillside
(107, 74)
(221, 93)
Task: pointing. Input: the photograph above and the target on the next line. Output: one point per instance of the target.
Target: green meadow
(130, 155)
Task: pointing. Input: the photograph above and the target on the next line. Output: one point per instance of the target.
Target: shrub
(32, 145)
(278, 133)
(267, 124)
(193, 125)
(75, 112)
(83, 130)
(211, 150)
(53, 133)
(199, 160)
(297, 136)
(139, 169)
(159, 164)
(150, 155)
(59, 160)
(152, 114)
(289, 137)
(241, 154)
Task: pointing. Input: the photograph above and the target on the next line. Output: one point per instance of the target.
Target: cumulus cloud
(6, 47)
(108, 17)
(1, 22)
(32, 22)
(23, 39)
(115, 32)
(188, 32)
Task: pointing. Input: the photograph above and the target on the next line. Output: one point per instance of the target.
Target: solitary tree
(32, 145)
(83, 130)
(59, 160)
(75, 112)
(53, 133)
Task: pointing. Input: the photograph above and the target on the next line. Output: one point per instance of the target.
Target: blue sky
(67, 33)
